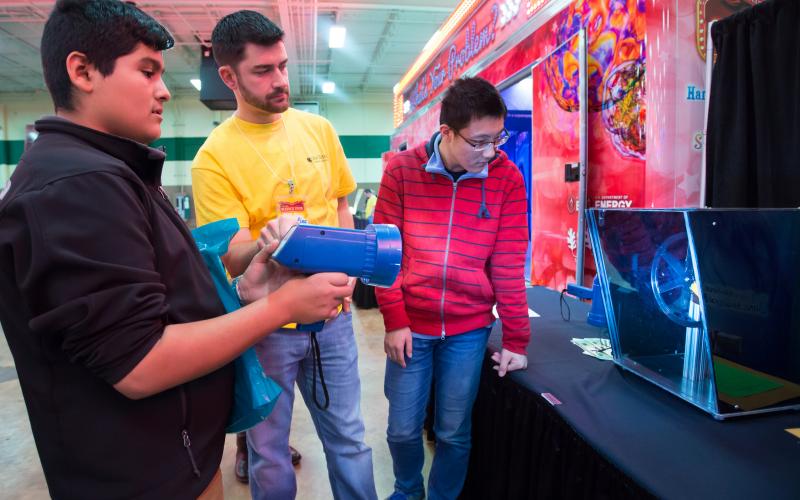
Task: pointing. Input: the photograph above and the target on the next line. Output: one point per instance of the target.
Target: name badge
(293, 204)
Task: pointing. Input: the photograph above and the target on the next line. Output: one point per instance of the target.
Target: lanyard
(291, 180)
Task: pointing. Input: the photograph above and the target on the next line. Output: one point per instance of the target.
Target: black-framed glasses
(498, 141)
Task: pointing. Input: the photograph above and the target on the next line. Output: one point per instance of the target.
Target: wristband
(235, 286)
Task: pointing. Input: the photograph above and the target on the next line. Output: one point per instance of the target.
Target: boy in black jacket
(117, 333)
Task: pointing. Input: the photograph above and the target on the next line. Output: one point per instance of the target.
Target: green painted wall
(184, 148)
(364, 146)
(10, 151)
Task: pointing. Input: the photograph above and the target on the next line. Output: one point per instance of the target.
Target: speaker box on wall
(213, 92)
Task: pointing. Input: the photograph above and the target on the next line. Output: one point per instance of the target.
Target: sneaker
(240, 465)
(296, 456)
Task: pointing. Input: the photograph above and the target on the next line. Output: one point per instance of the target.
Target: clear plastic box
(705, 302)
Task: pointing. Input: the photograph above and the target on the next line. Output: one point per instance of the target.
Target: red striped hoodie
(464, 245)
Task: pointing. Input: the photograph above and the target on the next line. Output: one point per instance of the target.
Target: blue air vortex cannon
(372, 254)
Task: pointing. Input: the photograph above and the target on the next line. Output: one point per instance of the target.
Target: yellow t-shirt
(243, 170)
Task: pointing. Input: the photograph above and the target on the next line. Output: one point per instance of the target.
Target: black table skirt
(614, 435)
(532, 452)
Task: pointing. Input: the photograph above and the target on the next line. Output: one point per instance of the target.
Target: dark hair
(234, 31)
(468, 99)
(103, 30)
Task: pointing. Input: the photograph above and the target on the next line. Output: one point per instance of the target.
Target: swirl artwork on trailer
(615, 64)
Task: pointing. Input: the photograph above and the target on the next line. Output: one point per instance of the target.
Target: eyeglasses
(483, 146)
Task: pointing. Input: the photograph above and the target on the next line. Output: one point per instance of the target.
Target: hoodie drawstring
(483, 213)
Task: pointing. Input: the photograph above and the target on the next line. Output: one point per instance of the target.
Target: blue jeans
(286, 357)
(454, 365)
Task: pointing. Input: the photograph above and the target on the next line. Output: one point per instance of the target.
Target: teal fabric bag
(254, 393)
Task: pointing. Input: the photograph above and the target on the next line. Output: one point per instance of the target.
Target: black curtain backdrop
(753, 148)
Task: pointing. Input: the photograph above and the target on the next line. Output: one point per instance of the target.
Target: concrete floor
(21, 472)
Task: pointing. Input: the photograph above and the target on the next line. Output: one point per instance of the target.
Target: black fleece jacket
(94, 264)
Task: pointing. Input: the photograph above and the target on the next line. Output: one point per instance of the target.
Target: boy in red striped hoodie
(460, 204)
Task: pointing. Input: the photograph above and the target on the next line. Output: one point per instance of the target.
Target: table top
(666, 445)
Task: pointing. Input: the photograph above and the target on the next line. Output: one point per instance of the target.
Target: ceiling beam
(388, 28)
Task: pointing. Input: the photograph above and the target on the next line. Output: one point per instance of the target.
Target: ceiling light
(196, 83)
(336, 36)
(328, 87)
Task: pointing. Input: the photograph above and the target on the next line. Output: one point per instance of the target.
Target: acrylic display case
(705, 303)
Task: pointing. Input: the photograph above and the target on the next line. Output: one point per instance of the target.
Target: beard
(265, 103)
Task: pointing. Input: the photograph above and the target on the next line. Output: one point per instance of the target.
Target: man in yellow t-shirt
(269, 160)
(369, 206)
(259, 171)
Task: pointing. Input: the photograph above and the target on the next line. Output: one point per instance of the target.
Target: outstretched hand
(263, 275)
(508, 361)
